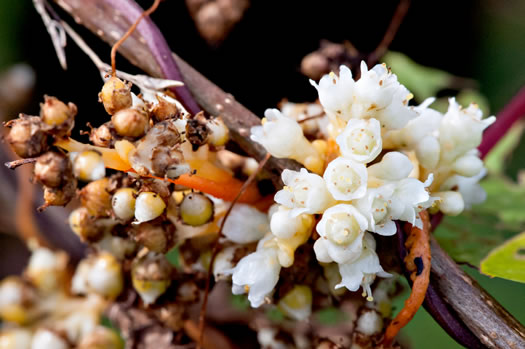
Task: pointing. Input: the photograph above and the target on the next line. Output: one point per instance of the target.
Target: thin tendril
(127, 34)
(216, 246)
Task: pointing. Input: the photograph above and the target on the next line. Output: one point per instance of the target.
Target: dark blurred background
(259, 64)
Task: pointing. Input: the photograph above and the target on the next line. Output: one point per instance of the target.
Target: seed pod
(164, 110)
(196, 209)
(17, 300)
(59, 196)
(55, 112)
(96, 198)
(115, 95)
(15, 338)
(84, 225)
(27, 136)
(101, 338)
(196, 132)
(89, 166)
(297, 303)
(45, 339)
(52, 169)
(101, 274)
(149, 205)
(219, 133)
(130, 122)
(154, 237)
(123, 203)
(151, 276)
(104, 135)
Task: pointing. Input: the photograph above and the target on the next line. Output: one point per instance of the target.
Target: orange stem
(418, 262)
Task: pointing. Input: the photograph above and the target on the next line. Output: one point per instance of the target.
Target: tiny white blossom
(245, 224)
(256, 274)
(341, 231)
(361, 140)
(468, 165)
(283, 225)
(393, 166)
(451, 202)
(282, 137)
(336, 93)
(304, 192)
(346, 179)
(363, 271)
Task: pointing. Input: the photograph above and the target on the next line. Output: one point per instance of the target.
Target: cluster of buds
(40, 313)
(372, 160)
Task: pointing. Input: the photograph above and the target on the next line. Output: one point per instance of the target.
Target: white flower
(393, 166)
(363, 271)
(346, 179)
(336, 93)
(361, 140)
(469, 188)
(284, 226)
(282, 137)
(341, 231)
(304, 192)
(461, 130)
(245, 224)
(256, 274)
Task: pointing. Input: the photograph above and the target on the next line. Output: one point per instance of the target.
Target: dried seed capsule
(219, 134)
(153, 236)
(84, 225)
(101, 338)
(196, 132)
(104, 135)
(96, 198)
(89, 166)
(59, 196)
(151, 276)
(164, 110)
(149, 205)
(123, 203)
(55, 112)
(27, 136)
(115, 95)
(52, 169)
(196, 209)
(45, 339)
(15, 338)
(130, 122)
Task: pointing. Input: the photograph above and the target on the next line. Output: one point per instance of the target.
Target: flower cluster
(376, 160)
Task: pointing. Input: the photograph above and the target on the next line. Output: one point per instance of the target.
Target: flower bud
(89, 166)
(45, 339)
(52, 169)
(369, 323)
(27, 137)
(451, 202)
(297, 303)
(284, 226)
(151, 276)
(468, 165)
(123, 203)
(428, 151)
(115, 95)
(148, 206)
(101, 274)
(130, 122)
(96, 198)
(46, 269)
(55, 113)
(17, 298)
(196, 209)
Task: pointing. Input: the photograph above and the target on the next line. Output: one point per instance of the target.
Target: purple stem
(511, 113)
(436, 306)
(159, 49)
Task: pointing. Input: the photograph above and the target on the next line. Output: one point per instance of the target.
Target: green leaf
(507, 261)
(274, 314)
(240, 301)
(173, 256)
(330, 316)
(472, 235)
